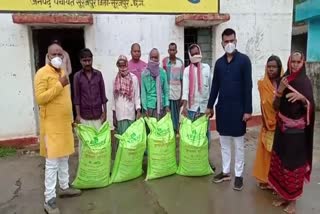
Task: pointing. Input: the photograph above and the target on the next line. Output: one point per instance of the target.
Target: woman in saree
(291, 160)
(267, 86)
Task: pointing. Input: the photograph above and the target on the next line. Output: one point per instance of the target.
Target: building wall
(313, 71)
(16, 89)
(263, 28)
(112, 35)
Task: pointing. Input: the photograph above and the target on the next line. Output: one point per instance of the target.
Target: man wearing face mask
(196, 85)
(154, 88)
(89, 93)
(233, 82)
(126, 97)
(52, 93)
(66, 62)
(197, 79)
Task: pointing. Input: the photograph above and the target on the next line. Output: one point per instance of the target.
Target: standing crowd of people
(284, 153)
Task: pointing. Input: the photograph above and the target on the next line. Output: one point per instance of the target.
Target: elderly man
(196, 85)
(197, 78)
(52, 93)
(66, 62)
(126, 97)
(154, 88)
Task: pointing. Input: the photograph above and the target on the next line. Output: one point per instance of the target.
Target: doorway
(72, 41)
(299, 42)
(202, 37)
(190, 37)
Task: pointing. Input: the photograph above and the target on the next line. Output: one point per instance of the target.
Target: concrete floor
(21, 190)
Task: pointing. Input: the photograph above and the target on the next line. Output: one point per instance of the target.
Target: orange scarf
(266, 90)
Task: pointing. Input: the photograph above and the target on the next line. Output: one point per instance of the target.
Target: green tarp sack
(161, 148)
(95, 158)
(194, 152)
(129, 158)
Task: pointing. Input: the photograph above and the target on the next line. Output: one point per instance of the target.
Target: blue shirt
(232, 81)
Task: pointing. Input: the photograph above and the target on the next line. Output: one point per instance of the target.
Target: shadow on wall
(313, 71)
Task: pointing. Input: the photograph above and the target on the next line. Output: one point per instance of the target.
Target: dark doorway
(72, 40)
(299, 42)
(202, 37)
(190, 37)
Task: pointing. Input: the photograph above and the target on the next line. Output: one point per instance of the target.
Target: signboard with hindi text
(111, 6)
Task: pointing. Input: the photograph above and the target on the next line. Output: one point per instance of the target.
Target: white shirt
(176, 75)
(125, 109)
(200, 100)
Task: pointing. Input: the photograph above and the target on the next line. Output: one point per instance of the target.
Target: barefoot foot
(264, 186)
(279, 202)
(291, 208)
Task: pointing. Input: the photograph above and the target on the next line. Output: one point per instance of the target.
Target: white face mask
(230, 47)
(195, 59)
(56, 62)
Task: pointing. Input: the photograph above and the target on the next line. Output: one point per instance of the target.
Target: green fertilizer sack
(129, 158)
(161, 148)
(194, 152)
(95, 158)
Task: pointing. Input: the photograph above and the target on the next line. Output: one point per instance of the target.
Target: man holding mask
(233, 82)
(52, 93)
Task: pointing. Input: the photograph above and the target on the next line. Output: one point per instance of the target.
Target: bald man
(52, 93)
(66, 62)
(136, 65)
